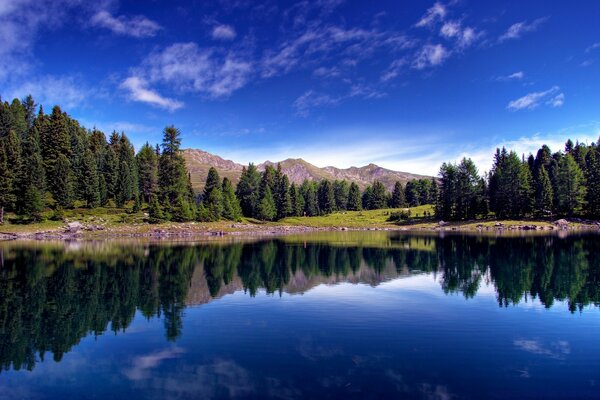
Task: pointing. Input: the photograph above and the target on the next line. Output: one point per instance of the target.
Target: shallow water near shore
(330, 315)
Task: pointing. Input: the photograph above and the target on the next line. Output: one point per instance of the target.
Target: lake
(353, 315)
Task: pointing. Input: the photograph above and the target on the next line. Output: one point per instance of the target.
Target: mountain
(199, 162)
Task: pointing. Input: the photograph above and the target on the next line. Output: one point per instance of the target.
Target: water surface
(350, 315)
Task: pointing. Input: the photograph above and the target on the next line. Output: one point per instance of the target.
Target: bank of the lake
(82, 224)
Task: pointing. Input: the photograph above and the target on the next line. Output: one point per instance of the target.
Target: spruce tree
(31, 182)
(266, 206)
(379, 199)
(283, 200)
(354, 198)
(311, 202)
(247, 190)
(570, 186)
(91, 190)
(124, 184)
(7, 197)
(326, 197)
(155, 212)
(172, 172)
(367, 198)
(213, 181)
(212, 197)
(397, 200)
(543, 193)
(231, 206)
(593, 182)
(297, 201)
(340, 191)
(147, 164)
(63, 183)
(181, 210)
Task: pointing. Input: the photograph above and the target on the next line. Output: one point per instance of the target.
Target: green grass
(357, 219)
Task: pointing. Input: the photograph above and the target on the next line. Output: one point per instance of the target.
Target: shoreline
(77, 231)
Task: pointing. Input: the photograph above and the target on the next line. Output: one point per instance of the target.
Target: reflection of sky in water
(403, 337)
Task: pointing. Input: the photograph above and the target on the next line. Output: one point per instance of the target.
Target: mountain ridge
(297, 169)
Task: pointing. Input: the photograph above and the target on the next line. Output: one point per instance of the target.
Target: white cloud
(557, 101)
(558, 350)
(515, 76)
(464, 37)
(48, 90)
(534, 99)
(138, 91)
(434, 14)
(311, 99)
(223, 32)
(430, 55)
(451, 29)
(137, 26)
(515, 31)
(593, 47)
(142, 366)
(189, 68)
(394, 69)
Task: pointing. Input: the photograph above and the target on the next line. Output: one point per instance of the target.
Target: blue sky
(404, 84)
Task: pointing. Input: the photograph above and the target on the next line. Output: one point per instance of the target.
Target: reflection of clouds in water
(435, 392)
(308, 349)
(142, 365)
(557, 349)
(217, 379)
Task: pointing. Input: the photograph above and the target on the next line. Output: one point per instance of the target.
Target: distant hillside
(199, 162)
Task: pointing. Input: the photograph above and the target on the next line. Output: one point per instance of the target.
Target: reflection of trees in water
(53, 296)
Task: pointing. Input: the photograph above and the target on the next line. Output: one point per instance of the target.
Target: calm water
(355, 315)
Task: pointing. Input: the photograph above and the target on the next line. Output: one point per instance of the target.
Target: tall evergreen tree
(297, 201)
(544, 194)
(326, 197)
(340, 191)
(283, 200)
(397, 200)
(63, 183)
(379, 197)
(570, 186)
(247, 190)
(7, 197)
(593, 181)
(91, 189)
(231, 206)
(354, 198)
(147, 165)
(32, 183)
(212, 197)
(172, 172)
(311, 201)
(266, 206)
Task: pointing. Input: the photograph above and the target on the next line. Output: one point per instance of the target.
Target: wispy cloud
(463, 36)
(137, 26)
(534, 99)
(558, 350)
(433, 15)
(311, 99)
(515, 31)
(430, 55)
(66, 91)
(593, 47)
(223, 32)
(515, 76)
(139, 91)
(142, 366)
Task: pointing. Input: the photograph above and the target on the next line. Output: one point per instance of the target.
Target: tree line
(49, 161)
(563, 183)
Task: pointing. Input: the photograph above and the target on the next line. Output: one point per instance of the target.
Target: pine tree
(247, 190)
(367, 198)
(181, 210)
(212, 197)
(29, 107)
(12, 153)
(7, 197)
(124, 184)
(266, 206)
(155, 213)
(570, 186)
(283, 200)
(340, 191)
(297, 201)
(311, 202)
(91, 192)
(63, 183)
(172, 172)
(326, 197)
(147, 165)
(354, 198)
(593, 182)
(231, 206)
(543, 193)
(379, 198)
(31, 181)
(397, 200)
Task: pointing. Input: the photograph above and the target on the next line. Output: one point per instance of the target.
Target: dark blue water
(321, 316)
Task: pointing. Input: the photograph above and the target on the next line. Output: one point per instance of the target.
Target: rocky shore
(79, 231)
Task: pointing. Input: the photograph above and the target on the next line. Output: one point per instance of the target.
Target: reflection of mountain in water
(53, 295)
